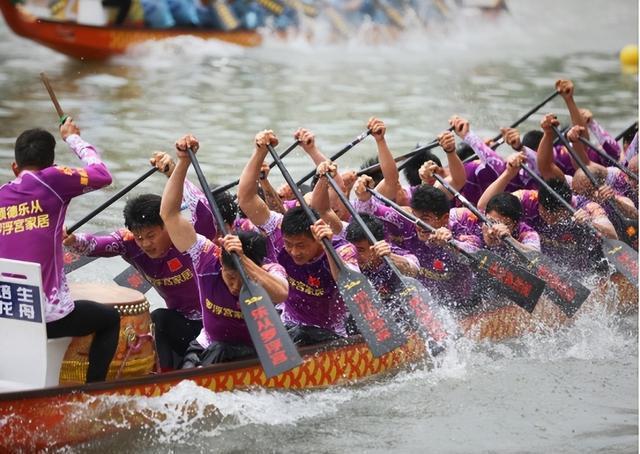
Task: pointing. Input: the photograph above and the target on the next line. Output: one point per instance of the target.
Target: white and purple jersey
(32, 212)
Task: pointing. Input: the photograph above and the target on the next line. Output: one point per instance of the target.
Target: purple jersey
(222, 318)
(32, 211)
(631, 151)
(314, 299)
(441, 270)
(621, 185)
(382, 278)
(608, 144)
(562, 158)
(567, 243)
(173, 275)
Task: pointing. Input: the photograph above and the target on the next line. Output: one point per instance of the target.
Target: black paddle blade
(372, 319)
(418, 305)
(517, 284)
(276, 350)
(131, 278)
(73, 261)
(623, 257)
(566, 292)
(628, 231)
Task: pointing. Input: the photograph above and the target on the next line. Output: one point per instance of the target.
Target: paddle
(628, 229)
(606, 156)
(344, 149)
(565, 291)
(376, 167)
(132, 278)
(62, 117)
(394, 16)
(513, 282)
(620, 255)
(224, 187)
(374, 322)
(112, 200)
(634, 125)
(275, 349)
(415, 297)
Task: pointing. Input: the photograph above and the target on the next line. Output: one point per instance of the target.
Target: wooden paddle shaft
(52, 95)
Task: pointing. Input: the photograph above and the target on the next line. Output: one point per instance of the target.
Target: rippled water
(574, 391)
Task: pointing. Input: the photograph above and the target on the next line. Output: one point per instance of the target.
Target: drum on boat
(135, 356)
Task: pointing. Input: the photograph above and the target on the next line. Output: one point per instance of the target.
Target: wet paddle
(565, 291)
(372, 319)
(606, 156)
(622, 256)
(276, 350)
(132, 278)
(626, 228)
(629, 128)
(513, 282)
(342, 151)
(416, 299)
(224, 187)
(499, 139)
(112, 200)
(62, 117)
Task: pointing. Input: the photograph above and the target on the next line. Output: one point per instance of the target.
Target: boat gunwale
(176, 375)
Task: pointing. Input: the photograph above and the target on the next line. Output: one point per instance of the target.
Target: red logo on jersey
(174, 264)
(313, 281)
(438, 265)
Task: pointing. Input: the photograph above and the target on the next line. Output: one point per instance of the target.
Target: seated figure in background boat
(314, 310)
(32, 210)
(224, 336)
(145, 244)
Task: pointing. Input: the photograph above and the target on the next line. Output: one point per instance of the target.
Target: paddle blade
(418, 304)
(375, 323)
(276, 350)
(513, 282)
(131, 278)
(623, 257)
(73, 261)
(566, 292)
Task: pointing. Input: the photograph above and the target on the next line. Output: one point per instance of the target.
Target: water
(573, 391)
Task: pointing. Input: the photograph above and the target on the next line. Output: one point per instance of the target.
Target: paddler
(314, 310)
(225, 336)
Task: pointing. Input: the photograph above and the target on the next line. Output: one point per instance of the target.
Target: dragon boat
(90, 42)
(73, 412)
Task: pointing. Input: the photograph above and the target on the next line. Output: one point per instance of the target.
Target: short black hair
(296, 222)
(142, 211)
(430, 199)
(548, 200)
(35, 148)
(532, 139)
(507, 205)
(356, 233)
(415, 162)
(227, 204)
(254, 246)
(464, 151)
(375, 174)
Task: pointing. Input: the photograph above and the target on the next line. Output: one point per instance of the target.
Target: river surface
(572, 391)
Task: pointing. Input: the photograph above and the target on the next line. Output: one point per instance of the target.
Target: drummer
(33, 207)
(225, 336)
(145, 243)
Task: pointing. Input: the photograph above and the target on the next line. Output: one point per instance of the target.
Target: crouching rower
(33, 207)
(314, 310)
(225, 336)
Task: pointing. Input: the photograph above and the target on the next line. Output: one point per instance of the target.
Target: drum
(135, 356)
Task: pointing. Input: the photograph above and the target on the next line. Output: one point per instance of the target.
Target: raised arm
(180, 230)
(308, 143)
(487, 155)
(514, 161)
(457, 175)
(320, 198)
(544, 157)
(391, 177)
(565, 87)
(250, 203)
(271, 197)
(573, 135)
